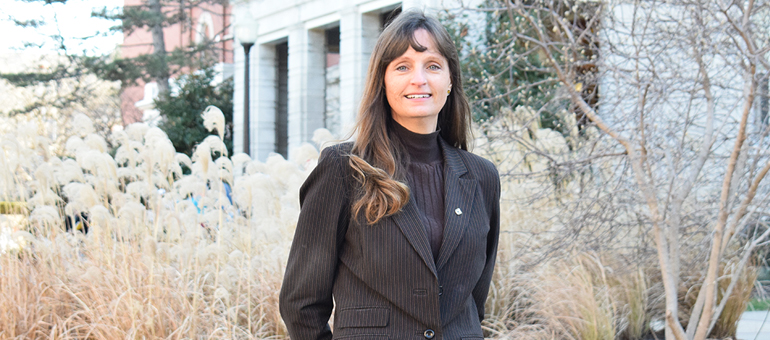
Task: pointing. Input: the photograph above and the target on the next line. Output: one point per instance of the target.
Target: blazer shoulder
(337, 152)
(480, 166)
(332, 168)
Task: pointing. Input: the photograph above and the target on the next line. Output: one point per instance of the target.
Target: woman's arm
(481, 289)
(306, 293)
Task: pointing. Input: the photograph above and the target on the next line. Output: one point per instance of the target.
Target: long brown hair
(377, 156)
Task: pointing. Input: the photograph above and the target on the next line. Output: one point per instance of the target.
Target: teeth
(413, 96)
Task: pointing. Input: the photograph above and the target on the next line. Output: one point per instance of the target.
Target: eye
(401, 68)
(434, 67)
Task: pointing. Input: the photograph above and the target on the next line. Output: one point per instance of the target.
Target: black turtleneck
(425, 177)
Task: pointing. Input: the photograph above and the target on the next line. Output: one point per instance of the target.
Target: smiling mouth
(417, 96)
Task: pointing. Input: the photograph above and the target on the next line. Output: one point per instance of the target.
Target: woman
(398, 229)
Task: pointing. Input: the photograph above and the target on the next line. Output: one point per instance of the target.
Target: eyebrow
(432, 55)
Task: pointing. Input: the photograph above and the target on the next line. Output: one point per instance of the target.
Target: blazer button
(429, 333)
(440, 290)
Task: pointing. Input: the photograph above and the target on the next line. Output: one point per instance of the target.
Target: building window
(282, 99)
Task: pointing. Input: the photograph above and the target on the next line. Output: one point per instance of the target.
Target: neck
(421, 125)
(422, 148)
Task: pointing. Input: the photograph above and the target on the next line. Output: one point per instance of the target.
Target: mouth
(417, 96)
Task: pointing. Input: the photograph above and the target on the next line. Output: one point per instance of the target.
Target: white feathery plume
(242, 191)
(225, 169)
(82, 124)
(216, 144)
(99, 215)
(213, 118)
(44, 176)
(305, 155)
(81, 193)
(95, 142)
(323, 138)
(133, 213)
(180, 158)
(160, 181)
(183, 159)
(43, 197)
(280, 169)
(45, 215)
(69, 171)
(190, 185)
(119, 137)
(74, 208)
(27, 132)
(551, 142)
(202, 155)
(239, 160)
(88, 160)
(136, 131)
(119, 199)
(255, 167)
(74, 145)
(54, 162)
(176, 170)
(154, 135)
(43, 146)
(126, 155)
(158, 150)
(129, 174)
(139, 189)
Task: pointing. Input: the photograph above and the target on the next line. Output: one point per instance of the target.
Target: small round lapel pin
(458, 212)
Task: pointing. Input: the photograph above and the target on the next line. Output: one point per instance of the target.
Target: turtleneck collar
(422, 148)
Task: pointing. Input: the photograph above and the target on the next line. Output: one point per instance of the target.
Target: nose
(418, 77)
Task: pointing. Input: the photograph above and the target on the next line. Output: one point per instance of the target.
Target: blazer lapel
(408, 219)
(458, 202)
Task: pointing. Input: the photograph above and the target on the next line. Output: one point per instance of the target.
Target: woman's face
(416, 85)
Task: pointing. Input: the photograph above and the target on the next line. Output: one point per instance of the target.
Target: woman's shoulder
(336, 153)
(479, 165)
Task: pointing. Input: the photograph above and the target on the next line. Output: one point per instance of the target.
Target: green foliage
(24, 79)
(758, 304)
(13, 208)
(499, 69)
(136, 17)
(158, 66)
(181, 112)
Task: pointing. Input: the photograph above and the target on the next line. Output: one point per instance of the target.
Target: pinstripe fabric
(384, 280)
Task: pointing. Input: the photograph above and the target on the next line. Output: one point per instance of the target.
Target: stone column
(263, 101)
(238, 99)
(358, 34)
(307, 64)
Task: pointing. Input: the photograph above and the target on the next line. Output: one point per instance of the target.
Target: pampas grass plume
(216, 144)
(136, 131)
(73, 145)
(81, 193)
(240, 159)
(95, 142)
(213, 118)
(202, 156)
(45, 215)
(83, 124)
(68, 172)
(322, 138)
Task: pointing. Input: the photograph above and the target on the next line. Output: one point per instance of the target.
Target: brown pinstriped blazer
(383, 278)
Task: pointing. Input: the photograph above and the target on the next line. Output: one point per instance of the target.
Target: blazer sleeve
(492, 185)
(305, 300)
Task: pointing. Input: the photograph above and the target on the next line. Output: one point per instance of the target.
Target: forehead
(423, 38)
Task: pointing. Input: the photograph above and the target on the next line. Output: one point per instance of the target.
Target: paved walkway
(754, 325)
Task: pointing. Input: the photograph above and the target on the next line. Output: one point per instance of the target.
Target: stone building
(307, 68)
(204, 22)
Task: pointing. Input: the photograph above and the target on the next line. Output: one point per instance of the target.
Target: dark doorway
(282, 99)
